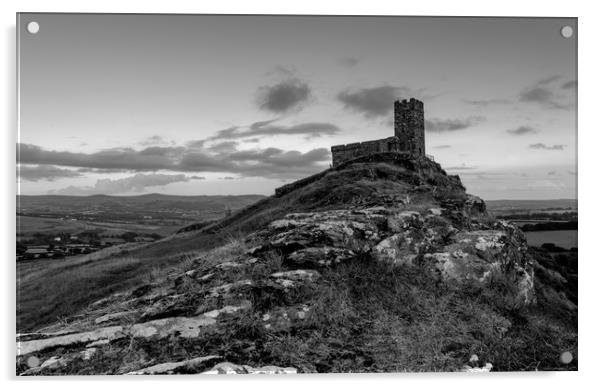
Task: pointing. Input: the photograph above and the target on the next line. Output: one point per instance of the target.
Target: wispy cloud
(372, 102)
(461, 167)
(542, 146)
(263, 128)
(522, 130)
(348, 62)
(547, 93)
(570, 85)
(445, 125)
(487, 102)
(156, 140)
(135, 183)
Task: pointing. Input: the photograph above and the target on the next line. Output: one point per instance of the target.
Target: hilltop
(381, 264)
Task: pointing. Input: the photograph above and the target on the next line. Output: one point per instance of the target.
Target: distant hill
(511, 205)
(142, 203)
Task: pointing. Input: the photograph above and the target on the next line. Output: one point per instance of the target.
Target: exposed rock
(319, 256)
(164, 306)
(485, 369)
(289, 278)
(109, 333)
(228, 309)
(187, 367)
(477, 255)
(228, 290)
(395, 250)
(88, 353)
(186, 327)
(53, 363)
(114, 316)
(231, 368)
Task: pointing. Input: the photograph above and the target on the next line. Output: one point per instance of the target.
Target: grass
(65, 288)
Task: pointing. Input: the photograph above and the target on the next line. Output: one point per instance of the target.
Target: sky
(215, 104)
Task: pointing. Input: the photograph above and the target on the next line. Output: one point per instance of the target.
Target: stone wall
(342, 153)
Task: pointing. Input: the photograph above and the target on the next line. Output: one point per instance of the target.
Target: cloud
(552, 173)
(461, 167)
(446, 125)
(541, 146)
(487, 102)
(545, 92)
(152, 158)
(135, 183)
(548, 80)
(284, 96)
(545, 184)
(537, 94)
(522, 130)
(155, 140)
(223, 147)
(311, 130)
(223, 156)
(44, 172)
(269, 162)
(442, 147)
(372, 102)
(570, 85)
(348, 62)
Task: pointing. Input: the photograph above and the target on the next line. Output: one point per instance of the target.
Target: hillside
(382, 264)
(99, 207)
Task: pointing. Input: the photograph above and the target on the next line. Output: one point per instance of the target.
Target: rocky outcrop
(403, 237)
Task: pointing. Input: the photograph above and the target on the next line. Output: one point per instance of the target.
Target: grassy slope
(48, 290)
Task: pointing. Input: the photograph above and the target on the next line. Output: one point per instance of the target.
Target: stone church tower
(409, 125)
(409, 136)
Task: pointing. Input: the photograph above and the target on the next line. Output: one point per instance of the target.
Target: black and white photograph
(295, 194)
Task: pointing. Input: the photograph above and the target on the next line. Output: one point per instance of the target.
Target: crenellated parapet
(342, 153)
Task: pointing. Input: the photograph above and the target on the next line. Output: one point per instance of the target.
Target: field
(561, 238)
(28, 225)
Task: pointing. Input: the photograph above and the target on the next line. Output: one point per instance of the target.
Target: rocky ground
(395, 268)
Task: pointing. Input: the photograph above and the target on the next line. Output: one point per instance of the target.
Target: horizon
(204, 105)
(249, 194)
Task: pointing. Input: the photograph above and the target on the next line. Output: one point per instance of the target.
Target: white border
(590, 192)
